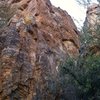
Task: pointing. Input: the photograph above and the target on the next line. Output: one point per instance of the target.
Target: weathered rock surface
(92, 17)
(92, 26)
(36, 39)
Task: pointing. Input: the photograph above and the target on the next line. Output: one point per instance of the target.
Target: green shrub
(83, 73)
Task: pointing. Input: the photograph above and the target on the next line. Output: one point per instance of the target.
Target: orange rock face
(37, 38)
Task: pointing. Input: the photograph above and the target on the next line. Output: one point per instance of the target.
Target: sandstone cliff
(92, 26)
(92, 17)
(32, 44)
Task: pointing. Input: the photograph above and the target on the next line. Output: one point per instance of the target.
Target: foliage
(98, 1)
(85, 3)
(84, 73)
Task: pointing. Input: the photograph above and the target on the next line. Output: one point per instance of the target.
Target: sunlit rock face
(32, 44)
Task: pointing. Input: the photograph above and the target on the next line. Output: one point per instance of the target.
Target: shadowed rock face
(36, 39)
(92, 25)
(92, 17)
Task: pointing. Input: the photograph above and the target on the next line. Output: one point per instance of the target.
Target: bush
(85, 75)
(84, 72)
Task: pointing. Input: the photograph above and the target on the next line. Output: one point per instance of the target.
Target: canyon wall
(92, 27)
(33, 42)
(92, 17)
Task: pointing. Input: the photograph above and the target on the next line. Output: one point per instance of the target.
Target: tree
(84, 72)
(84, 3)
(98, 1)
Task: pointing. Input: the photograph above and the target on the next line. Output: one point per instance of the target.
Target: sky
(77, 12)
